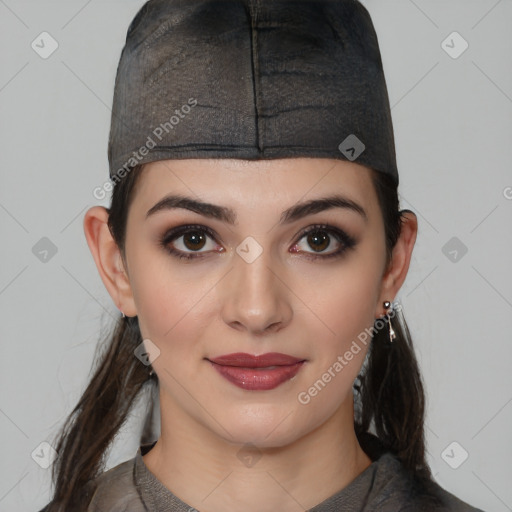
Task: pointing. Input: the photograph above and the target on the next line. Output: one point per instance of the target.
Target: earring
(388, 306)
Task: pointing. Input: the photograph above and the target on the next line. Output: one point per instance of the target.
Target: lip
(250, 361)
(263, 372)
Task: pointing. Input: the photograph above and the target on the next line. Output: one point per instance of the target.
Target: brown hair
(388, 394)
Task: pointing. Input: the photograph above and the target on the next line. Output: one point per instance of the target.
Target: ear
(398, 267)
(108, 259)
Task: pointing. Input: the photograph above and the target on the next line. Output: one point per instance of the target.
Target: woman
(254, 246)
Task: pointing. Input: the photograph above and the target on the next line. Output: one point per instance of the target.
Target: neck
(215, 475)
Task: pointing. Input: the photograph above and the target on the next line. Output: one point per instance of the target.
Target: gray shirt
(384, 486)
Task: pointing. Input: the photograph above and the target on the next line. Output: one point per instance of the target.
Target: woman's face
(234, 270)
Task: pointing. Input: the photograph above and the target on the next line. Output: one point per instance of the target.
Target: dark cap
(251, 79)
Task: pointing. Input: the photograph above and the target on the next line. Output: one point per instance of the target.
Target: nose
(255, 298)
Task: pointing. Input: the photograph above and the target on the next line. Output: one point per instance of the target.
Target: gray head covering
(251, 79)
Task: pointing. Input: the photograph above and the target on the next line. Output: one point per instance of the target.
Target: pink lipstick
(254, 373)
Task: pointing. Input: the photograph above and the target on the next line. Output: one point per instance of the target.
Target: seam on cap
(253, 14)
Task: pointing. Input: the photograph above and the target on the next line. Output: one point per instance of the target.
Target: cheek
(346, 308)
(343, 307)
(344, 303)
(173, 307)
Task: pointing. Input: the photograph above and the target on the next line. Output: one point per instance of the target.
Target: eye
(188, 242)
(322, 237)
(184, 241)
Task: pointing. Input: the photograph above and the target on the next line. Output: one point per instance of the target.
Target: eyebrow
(228, 215)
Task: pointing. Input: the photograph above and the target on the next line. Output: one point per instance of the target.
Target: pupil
(317, 241)
(196, 239)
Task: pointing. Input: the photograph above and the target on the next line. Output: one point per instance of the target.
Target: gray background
(453, 127)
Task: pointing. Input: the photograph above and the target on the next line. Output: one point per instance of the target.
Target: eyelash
(347, 242)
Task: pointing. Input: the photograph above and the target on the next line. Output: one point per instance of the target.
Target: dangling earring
(124, 316)
(388, 306)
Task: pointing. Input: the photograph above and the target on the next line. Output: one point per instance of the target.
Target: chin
(263, 427)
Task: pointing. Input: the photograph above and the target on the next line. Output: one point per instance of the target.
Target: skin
(283, 301)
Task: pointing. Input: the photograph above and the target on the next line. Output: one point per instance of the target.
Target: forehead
(254, 184)
(294, 173)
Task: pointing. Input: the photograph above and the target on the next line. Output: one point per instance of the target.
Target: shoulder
(404, 493)
(114, 490)
(394, 489)
(431, 494)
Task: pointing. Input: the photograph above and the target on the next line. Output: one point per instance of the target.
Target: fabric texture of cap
(251, 79)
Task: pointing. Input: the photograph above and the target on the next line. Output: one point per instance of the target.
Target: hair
(389, 395)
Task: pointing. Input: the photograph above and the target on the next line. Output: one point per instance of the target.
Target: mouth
(257, 373)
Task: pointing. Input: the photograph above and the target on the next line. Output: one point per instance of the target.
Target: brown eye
(323, 241)
(194, 240)
(318, 240)
(190, 242)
